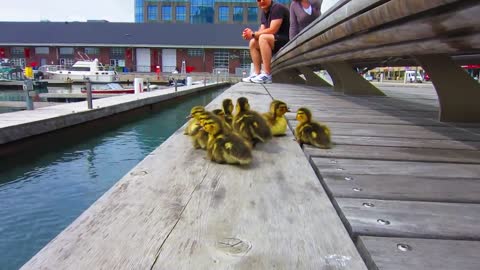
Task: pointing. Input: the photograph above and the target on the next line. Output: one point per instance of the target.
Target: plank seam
(178, 220)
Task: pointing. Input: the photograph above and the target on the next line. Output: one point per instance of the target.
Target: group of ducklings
(229, 138)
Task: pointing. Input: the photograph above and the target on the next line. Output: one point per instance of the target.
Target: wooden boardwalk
(177, 210)
(406, 185)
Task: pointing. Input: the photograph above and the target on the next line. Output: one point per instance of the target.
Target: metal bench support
(312, 78)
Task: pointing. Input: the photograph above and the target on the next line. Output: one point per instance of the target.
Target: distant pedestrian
(268, 39)
(302, 13)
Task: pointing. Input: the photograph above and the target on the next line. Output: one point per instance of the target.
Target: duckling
(311, 132)
(227, 106)
(250, 124)
(225, 147)
(275, 117)
(217, 112)
(194, 129)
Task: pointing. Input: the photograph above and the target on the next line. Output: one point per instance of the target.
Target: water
(42, 194)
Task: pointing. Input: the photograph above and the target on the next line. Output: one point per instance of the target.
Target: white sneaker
(249, 78)
(262, 78)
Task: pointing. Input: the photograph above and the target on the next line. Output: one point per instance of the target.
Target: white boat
(80, 71)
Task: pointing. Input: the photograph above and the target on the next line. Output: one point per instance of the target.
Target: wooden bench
(397, 176)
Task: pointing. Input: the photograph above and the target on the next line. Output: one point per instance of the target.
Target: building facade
(199, 11)
(127, 46)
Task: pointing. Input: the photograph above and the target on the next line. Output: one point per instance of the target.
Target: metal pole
(175, 81)
(89, 94)
(148, 84)
(28, 87)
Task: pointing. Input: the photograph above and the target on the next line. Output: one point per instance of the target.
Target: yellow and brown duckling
(227, 107)
(219, 113)
(224, 147)
(250, 124)
(194, 128)
(310, 132)
(275, 117)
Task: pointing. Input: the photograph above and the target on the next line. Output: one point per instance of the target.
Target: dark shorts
(279, 43)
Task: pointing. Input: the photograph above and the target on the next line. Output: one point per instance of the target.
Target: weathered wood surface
(404, 188)
(427, 254)
(177, 210)
(421, 175)
(401, 168)
(412, 219)
(406, 142)
(397, 153)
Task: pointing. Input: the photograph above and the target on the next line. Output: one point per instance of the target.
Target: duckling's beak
(189, 116)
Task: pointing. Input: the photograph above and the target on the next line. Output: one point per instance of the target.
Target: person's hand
(247, 33)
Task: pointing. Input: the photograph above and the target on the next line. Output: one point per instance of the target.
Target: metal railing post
(28, 88)
(89, 94)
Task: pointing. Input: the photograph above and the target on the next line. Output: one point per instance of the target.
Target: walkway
(405, 186)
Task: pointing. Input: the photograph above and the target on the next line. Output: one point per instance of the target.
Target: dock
(399, 190)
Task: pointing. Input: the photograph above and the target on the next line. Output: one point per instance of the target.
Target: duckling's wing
(237, 149)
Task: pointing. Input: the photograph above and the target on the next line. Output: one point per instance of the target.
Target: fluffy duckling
(250, 124)
(194, 129)
(227, 107)
(225, 147)
(217, 112)
(311, 132)
(275, 117)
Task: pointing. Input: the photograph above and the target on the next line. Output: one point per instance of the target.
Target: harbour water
(42, 192)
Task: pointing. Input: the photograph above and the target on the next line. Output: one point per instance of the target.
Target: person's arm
(293, 21)
(273, 29)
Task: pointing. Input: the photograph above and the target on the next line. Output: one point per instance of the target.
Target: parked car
(411, 77)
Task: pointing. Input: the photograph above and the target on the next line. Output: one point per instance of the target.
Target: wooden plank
(352, 167)
(408, 188)
(396, 153)
(177, 210)
(427, 254)
(411, 218)
(324, 47)
(399, 131)
(377, 119)
(405, 142)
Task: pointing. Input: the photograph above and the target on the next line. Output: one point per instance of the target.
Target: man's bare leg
(255, 54)
(266, 43)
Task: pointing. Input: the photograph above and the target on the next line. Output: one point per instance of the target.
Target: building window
(252, 14)
(195, 52)
(92, 51)
(238, 14)
(138, 11)
(152, 13)
(17, 51)
(220, 59)
(223, 14)
(66, 51)
(245, 59)
(180, 13)
(166, 13)
(42, 50)
(117, 53)
(201, 11)
(18, 62)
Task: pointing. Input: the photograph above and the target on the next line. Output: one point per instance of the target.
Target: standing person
(268, 39)
(302, 13)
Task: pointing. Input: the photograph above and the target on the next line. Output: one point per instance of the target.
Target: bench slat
(426, 254)
(411, 218)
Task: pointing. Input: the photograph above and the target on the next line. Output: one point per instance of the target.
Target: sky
(76, 10)
(67, 10)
